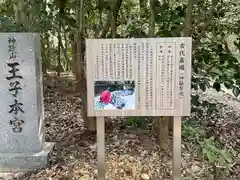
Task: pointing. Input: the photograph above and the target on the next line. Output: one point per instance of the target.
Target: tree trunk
(59, 48)
(74, 58)
(162, 128)
(69, 63)
(48, 52)
(152, 18)
(113, 15)
(188, 19)
(81, 86)
(20, 15)
(44, 55)
(67, 60)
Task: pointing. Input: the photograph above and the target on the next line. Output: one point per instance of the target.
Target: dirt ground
(131, 154)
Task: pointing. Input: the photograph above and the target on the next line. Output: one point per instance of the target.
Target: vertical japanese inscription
(114, 61)
(181, 70)
(165, 67)
(102, 60)
(110, 60)
(14, 87)
(143, 75)
(170, 83)
(139, 74)
(127, 61)
(147, 77)
(150, 59)
(130, 61)
(161, 77)
(106, 61)
(119, 62)
(122, 60)
(97, 67)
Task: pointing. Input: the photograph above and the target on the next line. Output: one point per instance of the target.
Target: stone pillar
(22, 140)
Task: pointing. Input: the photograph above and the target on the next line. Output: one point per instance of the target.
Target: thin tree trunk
(113, 24)
(59, 49)
(74, 56)
(48, 52)
(188, 21)
(43, 53)
(152, 18)
(69, 63)
(81, 86)
(67, 59)
(20, 16)
(113, 17)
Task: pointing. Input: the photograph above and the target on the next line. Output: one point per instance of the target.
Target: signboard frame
(182, 61)
(95, 66)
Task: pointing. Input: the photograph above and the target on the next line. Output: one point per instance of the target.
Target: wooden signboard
(159, 71)
(139, 77)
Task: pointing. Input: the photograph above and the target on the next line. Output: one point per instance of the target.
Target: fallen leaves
(130, 154)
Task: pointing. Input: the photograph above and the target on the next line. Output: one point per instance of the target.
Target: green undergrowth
(210, 150)
(136, 122)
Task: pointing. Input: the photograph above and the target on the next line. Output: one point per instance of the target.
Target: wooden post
(157, 93)
(176, 173)
(101, 147)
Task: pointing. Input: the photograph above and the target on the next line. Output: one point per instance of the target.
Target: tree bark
(81, 86)
(162, 128)
(67, 59)
(152, 18)
(48, 58)
(59, 48)
(113, 14)
(20, 15)
(188, 21)
(44, 57)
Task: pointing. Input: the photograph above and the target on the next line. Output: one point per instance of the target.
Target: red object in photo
(105, 97)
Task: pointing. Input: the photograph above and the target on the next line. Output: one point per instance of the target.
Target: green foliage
(236, 91)
(216, 61)
(138, 122)
(221, 158)
(208, 106)
(210, 149)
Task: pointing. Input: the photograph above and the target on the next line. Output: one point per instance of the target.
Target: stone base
(18, 162)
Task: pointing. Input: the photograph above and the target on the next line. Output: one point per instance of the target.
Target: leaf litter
(131, 154)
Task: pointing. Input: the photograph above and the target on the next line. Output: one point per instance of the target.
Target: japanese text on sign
(14, 86)
(181, 70)
(159, 67)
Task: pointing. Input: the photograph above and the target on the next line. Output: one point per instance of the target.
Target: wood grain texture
(101, 148)
(160, 67)
(176, 161)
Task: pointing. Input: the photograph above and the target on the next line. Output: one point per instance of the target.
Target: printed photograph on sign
(114, 95)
